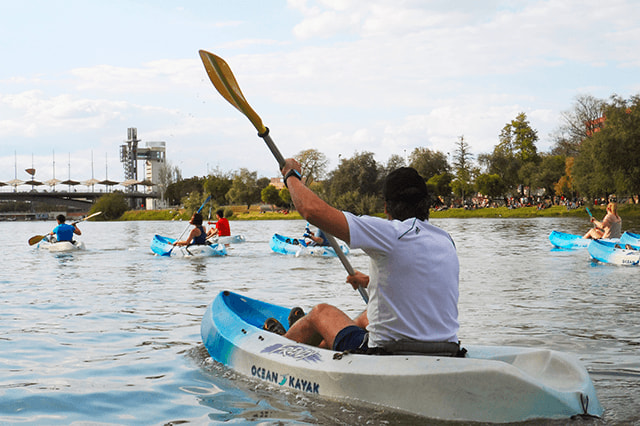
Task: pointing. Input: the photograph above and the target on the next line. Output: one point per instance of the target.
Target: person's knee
(321, 309)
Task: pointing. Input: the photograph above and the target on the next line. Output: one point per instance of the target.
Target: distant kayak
(231, 239)
(567, 241)
(630, 238)
(297, 246)
(614, 253)
(497, 384)
(163, 246)
(60, 246)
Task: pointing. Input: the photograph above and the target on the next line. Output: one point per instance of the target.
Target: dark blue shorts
(351, 338)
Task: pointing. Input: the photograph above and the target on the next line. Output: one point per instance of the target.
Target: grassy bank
(241, 213)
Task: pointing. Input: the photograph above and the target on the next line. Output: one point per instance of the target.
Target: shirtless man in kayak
(414, 269)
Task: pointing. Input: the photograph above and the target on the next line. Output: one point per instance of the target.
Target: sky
(340, 76)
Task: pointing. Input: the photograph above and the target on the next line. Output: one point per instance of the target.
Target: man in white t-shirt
(413, 282)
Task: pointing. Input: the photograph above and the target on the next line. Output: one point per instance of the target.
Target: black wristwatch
(292, 172)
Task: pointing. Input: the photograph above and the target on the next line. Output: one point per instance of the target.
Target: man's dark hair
(61, 218)
(406, 194)
(220, 212)
(197, 219)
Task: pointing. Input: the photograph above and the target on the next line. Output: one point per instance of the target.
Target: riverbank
(626, 211)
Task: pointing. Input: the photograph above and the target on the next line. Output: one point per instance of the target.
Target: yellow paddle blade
(36, 239)
(222, 78)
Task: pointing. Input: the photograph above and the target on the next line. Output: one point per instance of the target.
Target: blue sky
(340, 76)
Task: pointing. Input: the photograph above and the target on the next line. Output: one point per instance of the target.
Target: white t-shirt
(413, 279)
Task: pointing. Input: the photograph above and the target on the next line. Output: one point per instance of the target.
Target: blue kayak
(491, 384)
(630, 238)
(614, 253)
(163, 246)
(567, 241)
(297, 246)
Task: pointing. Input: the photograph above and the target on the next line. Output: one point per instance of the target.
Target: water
(112, 334)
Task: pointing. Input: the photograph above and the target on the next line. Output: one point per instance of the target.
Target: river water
(111, 335)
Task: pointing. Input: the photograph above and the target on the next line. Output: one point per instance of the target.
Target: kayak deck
(492, 384)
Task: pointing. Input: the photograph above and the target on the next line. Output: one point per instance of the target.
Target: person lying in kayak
(610, 227)
(414, 269)
(64, 231)
(197, 236)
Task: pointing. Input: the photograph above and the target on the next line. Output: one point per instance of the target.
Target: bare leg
(594, 233)
(322, 323)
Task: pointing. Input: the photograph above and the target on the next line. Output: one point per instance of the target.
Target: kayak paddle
(168, 253)
(224, 81)
(37, 238)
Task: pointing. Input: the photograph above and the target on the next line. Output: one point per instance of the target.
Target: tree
(218, 184)
(583, 120)
(429, 163)
(112, 205)
(193, 201)
(462, 158)
(440, 185)
(359, 175)
(549, 171)
(609, 159)
(285, 195)
(490, 185)
(564, 186)
(519, 139)
(313, 164)
(271, 195)
(395, 161)
(167, 175)
(182, 188)
(244, 188)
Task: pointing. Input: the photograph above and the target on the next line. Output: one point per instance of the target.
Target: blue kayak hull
(567, 241)
(491, 384)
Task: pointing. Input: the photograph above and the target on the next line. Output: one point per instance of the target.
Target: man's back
(414, 279)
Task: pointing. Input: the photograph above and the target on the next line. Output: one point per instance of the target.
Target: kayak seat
(274, 326)
(411, 347)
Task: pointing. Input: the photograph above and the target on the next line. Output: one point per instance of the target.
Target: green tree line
(594, 154)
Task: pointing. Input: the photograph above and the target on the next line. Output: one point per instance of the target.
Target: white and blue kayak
(491, 384)
(630, 238)
(614, 253)
(563, 240)
(297, 246)
(163, 246)
(60, 246)
(230, 239)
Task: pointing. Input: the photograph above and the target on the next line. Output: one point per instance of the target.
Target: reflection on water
(112, 334)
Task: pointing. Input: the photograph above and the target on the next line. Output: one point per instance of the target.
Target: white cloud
(341, 76)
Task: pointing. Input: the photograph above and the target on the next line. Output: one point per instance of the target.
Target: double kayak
(60, 246)
(490, 384)
(619, 253)
(163, 246)
(297, 246)
(563, 240)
